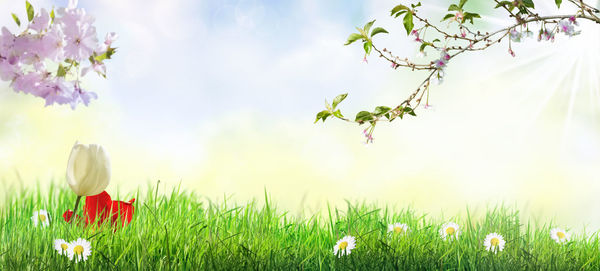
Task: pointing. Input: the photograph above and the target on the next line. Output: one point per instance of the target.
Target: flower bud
(88, 169)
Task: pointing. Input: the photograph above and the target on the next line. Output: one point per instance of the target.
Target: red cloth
(99, 208)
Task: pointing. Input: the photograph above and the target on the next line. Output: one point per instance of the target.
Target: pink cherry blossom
(41, 21)
(44, 59)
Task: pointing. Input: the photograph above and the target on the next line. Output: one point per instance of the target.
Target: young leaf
(408, 22)
(368, 46)
(448, 16)
(338, 114)
(368, 26)
(378, 30)
(52, 14)
(323, 115)
(470, 16)
(338, 100)
(504, 3)
(352, 38)
(16, 19)
(400, 13)
(410, 111)
(363, 116)
(529, 3)
(30, 11)
(107, 55)
(453, 7)
(558, 2)
(398, 8)
(462, 3)
(424, 45)
(61, 72)
(380, 110)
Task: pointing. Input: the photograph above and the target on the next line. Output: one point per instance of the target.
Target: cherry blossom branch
(521, 10)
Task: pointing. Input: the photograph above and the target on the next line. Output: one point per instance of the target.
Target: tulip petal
(122, 210)
(88, 169)
(68, 214)
(97, 208)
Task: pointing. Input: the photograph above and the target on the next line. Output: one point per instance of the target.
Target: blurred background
(220, 97)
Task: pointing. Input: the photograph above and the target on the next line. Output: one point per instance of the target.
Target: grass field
(177, 231)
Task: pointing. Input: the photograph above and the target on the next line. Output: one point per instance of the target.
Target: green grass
(181, 231)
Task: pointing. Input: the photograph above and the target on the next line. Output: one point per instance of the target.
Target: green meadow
(179, 230)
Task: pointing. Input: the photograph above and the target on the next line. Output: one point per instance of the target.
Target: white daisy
(494, 242)
(398, 228)
(450, 230)
(61, 246)
(559, 235)
(80, 250)
(344, 246)
(41, 217)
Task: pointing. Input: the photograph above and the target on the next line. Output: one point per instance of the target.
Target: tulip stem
(75, 209)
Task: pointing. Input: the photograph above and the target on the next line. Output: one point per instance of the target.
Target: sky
(220, 97)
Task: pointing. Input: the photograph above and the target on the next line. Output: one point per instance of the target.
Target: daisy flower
(61, 246)
(398, 228)
(80, 250)
(494, 242)
(41, 217)
(559, 235)
(344, 246)
(450, 230)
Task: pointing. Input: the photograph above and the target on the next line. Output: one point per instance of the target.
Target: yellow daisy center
(42, 217)
(343, 245)
(495, 241)
(561, 235)
(64, 246)
(398, 229)
(78, 250)
(450, 231)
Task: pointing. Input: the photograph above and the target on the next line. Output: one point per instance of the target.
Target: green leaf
(400, 13)
(368, 26)
(398, 8)
(408, 22)
(529, 3)
(380, 110)
(16, 18)
(424, 45)
(353, 37)
(504, 3)
(61, 72)
(338, 114)
(470, 16)
(462, 3)
(448, 16)
(453, 7)
(368, 46)
(107, 55)
(409, 111)
(558, 2)
(378, 30)
(436, 40)
(363, 116)
(30, 11)
(323, 115)
(338, 100)
(52, 14)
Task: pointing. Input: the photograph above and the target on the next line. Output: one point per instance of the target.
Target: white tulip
(88, 169)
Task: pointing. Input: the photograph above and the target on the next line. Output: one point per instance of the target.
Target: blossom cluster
(51, 55)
